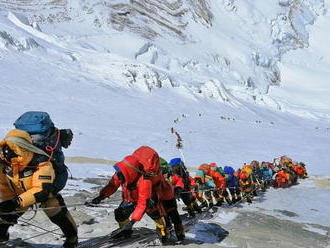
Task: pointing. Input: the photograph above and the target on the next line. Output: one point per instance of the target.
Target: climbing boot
(219, 202)
(203, 204)
(229, 201)
(196, 207)
(161, 229)
(4, 238)
(64, 220)
(71, 242)
(127, 232)
(179, 231)
(123, 223)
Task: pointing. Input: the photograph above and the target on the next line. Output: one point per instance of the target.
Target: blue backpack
(34, 122)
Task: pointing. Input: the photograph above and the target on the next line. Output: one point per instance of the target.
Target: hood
(131, 175)
(229, 170)
(205, 168)
(175, 161)
(24, 156)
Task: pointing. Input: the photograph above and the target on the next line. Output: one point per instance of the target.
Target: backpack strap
(138, 170)
(52, 149)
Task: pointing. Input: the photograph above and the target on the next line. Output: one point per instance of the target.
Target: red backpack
(148, 158)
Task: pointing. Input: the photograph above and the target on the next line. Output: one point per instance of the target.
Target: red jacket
(300, 170)
(138, 188)
(135, 188)
(161, 188)
(218, 179)
(177, 181)
(296, 169)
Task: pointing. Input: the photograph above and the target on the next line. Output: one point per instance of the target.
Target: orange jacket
(281, 178)
(218, 180)
(20, 177)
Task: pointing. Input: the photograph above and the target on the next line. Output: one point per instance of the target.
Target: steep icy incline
(305, 74)
(226, 50)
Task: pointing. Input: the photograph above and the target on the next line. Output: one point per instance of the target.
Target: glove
(10, 205)
(97, 200)
(51, 188)
(66, 137)
(94, 202)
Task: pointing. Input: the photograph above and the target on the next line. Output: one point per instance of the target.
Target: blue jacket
(231, 180)
(267, 173)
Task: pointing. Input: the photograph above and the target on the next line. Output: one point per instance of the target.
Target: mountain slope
(226, 50)
(239, 80)
(221, 79)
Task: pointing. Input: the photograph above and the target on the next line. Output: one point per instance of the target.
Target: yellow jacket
(246, 185)
(24, 180)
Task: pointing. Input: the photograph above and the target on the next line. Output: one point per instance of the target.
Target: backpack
(34, 122)
(148, 158)
(44, 134)
(164, 166)
(50, 139)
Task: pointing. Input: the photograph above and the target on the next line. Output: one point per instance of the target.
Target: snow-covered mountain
(102, 67)
(237, 79)
(227, 50)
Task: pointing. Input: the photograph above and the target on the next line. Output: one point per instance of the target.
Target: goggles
(8, 153)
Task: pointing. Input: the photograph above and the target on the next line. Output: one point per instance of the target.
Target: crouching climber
(301, 170)
(219, 192)
(184, 185)
(205, 187)
(26, 178)
(144, 190)
(246, 185)
(267, 174)
(232, 184)
(281, 178)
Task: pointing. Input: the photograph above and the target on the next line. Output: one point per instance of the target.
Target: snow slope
(237, 79)
(136, 87)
